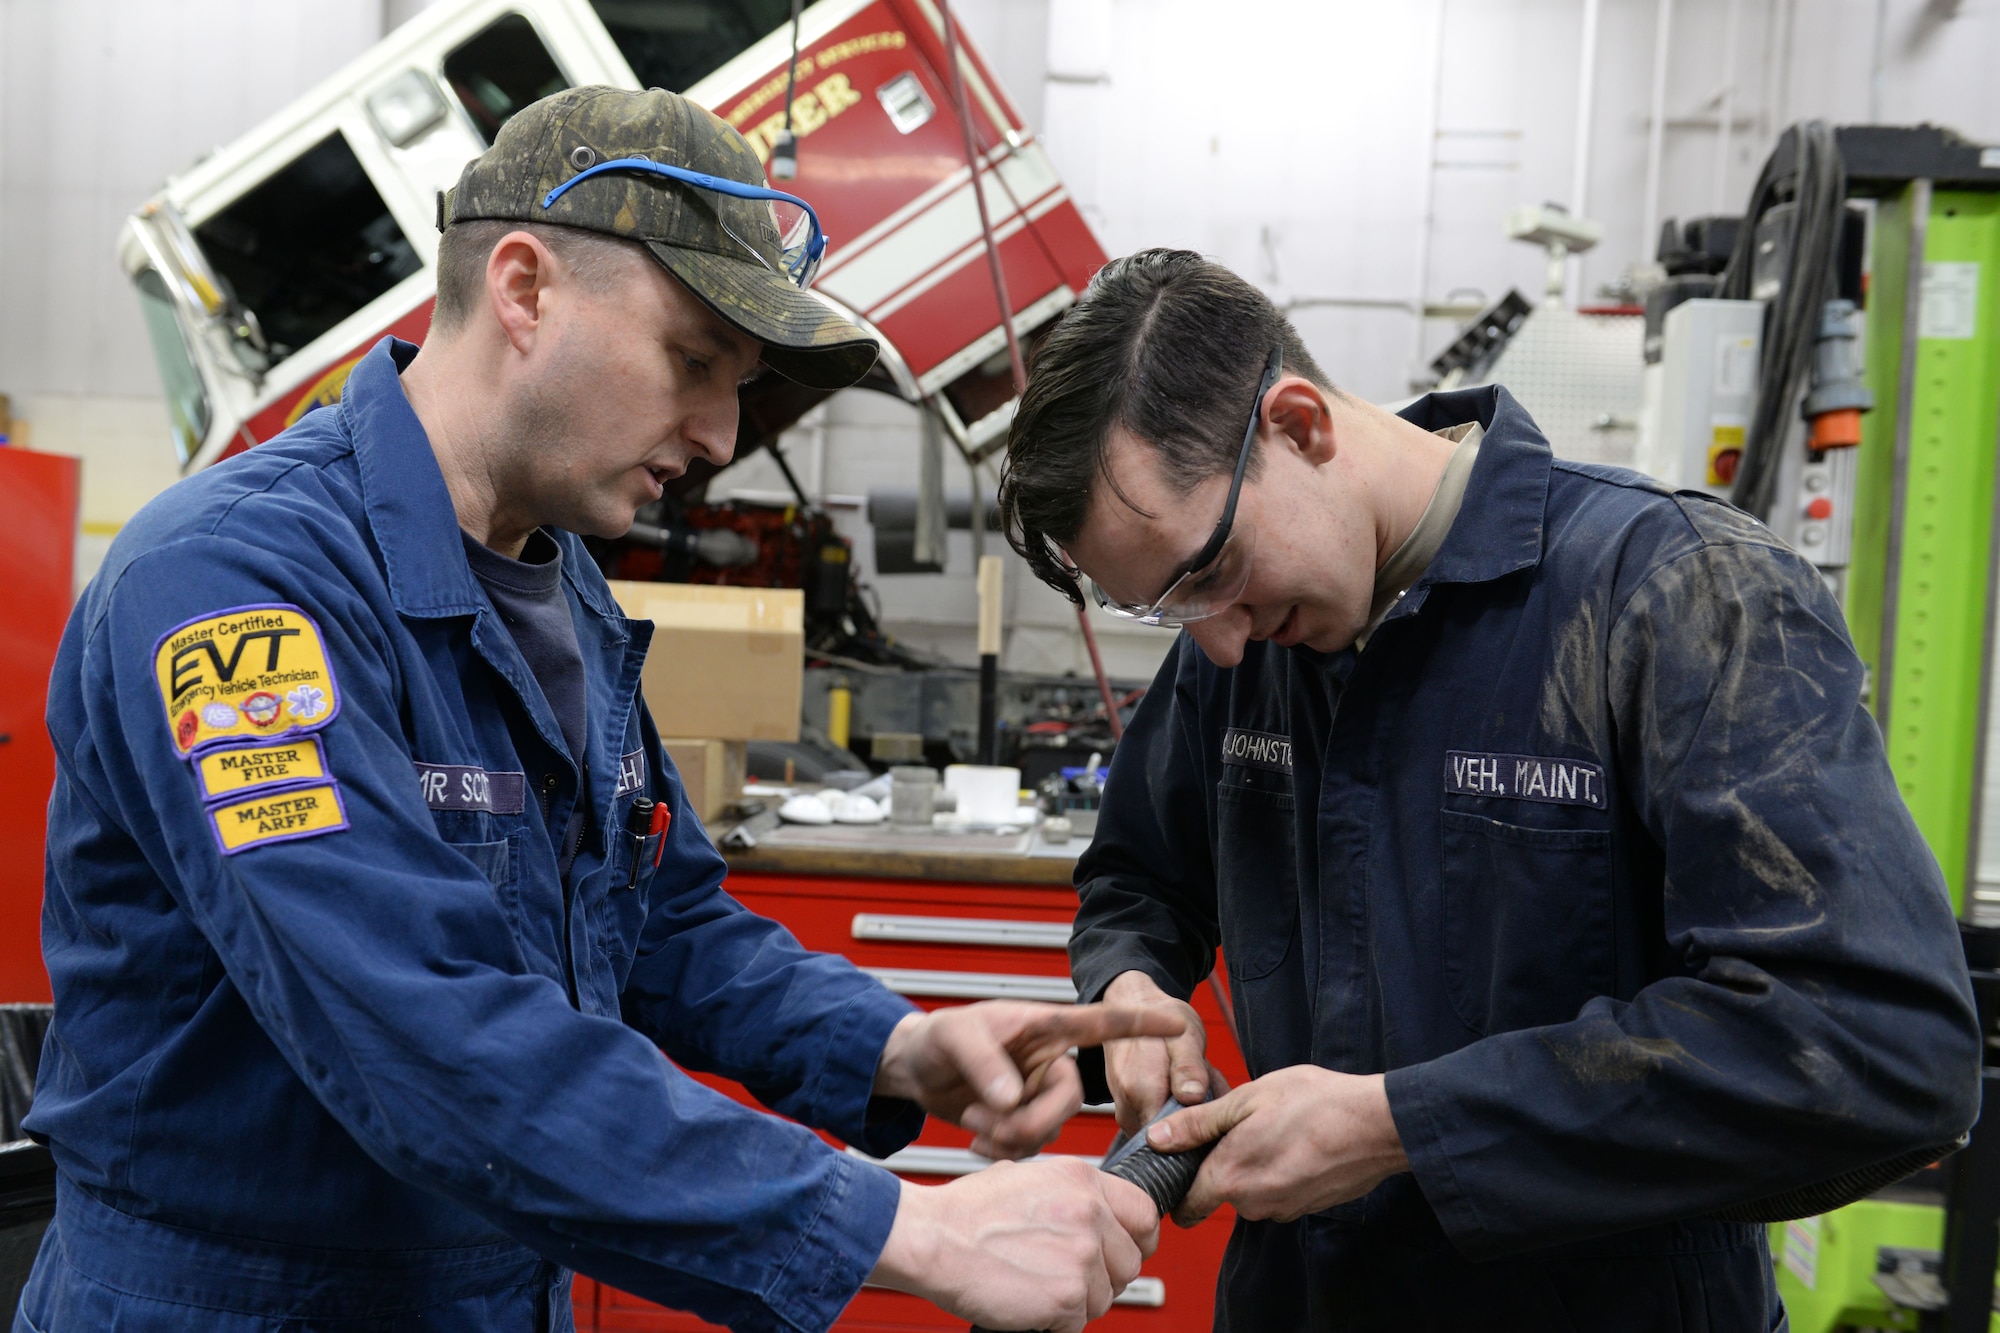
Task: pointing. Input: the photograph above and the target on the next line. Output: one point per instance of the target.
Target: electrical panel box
(1814, 507)
(1700, 396)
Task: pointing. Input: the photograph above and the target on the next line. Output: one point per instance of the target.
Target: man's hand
(1002, 1068)
(1144, 1070)
(1041, 1245)
(1293, 1142)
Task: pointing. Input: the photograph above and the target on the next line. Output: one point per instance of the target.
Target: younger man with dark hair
(1574, 923)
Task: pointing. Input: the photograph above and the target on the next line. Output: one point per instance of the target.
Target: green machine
(1918, 586)
(1920, 591)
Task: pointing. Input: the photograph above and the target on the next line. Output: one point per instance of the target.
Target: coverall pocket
(1527, 921)
(1256, 878)
(495, 860)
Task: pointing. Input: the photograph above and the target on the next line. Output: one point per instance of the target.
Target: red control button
(1820, 508)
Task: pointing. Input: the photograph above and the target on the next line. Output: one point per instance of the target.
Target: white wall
(1358, 158)
(100, 100)
(1013, 36)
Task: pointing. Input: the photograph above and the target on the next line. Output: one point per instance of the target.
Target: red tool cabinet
(942, 942)
(39, 496)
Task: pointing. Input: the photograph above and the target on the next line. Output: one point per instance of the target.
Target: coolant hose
(1166, 1177)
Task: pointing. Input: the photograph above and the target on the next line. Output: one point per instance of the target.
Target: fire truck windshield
(308, 246)
(674, 46)
(187, 400)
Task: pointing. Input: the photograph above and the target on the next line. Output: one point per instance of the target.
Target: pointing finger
(1095, 1024)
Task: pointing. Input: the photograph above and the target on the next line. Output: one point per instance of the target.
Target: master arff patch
(300, 812)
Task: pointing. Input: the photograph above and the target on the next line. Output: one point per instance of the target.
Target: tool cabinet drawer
(997, 928)
(944, 944)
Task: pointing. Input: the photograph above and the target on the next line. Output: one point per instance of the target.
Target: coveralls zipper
(568, 949)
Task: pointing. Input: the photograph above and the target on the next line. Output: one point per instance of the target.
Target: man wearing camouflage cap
(365, 933)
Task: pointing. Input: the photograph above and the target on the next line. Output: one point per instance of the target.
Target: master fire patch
(305, 812)
(232, 770)
(248, 673)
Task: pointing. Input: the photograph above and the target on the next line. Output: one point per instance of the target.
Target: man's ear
(518, 275)
(1300, 410)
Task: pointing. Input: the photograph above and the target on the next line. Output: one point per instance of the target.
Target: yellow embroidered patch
(248, 673)
(235, 769)
(304, 813)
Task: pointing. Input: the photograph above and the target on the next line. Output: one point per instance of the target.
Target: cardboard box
(727, 663)
(712, 772)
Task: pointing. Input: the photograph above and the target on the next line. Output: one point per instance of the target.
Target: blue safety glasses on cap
(801, 245)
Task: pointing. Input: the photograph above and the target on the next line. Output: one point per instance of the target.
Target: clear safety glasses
(801, 243)
(1219, 572)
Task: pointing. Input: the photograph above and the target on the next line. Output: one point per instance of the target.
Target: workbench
(949, 920)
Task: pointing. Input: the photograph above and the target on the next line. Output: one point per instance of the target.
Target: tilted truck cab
(265, 270)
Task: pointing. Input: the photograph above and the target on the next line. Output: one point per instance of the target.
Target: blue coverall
(1594, 850)
(344, 1052)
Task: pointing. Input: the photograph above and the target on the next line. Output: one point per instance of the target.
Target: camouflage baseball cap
(726, 250)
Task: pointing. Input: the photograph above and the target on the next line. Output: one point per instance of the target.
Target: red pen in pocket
(661, 818)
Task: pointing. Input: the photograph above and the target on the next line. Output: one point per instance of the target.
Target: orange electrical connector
(1838, 429)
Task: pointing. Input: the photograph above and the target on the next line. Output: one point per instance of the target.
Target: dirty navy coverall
(335, 1046)
(1593, 849)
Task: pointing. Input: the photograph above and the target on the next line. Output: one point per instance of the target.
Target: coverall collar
(409, 507)
(1500, 523)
